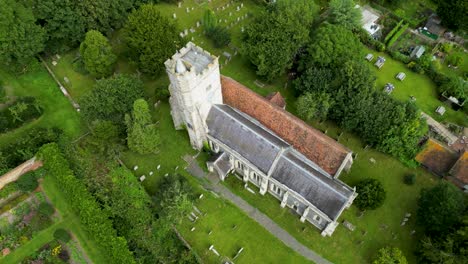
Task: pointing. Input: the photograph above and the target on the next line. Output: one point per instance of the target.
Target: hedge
(397, 35)
(392, 32)
(94, 220)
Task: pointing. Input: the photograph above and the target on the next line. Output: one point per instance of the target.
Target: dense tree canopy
(97, 54)
(143, 136)
(20, 38)
(455, 86)
(390, 255)
(152, 38)
(332, 45)
(453, 13)
(344, 13)
(371, 194)
(440, 208)
(111, 98)
(274, 37)
(313, 105)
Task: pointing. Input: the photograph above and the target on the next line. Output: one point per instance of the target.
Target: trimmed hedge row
(397, 35)
(94, 220)
(392, 32)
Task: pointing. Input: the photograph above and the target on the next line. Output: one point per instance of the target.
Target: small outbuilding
(417, 52)
(401, 76)
(440, 110)
(380, 62)
(369, 57)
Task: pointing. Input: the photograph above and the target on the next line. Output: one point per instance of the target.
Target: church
(254, 138)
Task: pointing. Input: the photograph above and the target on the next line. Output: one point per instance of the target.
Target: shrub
(393, 31)
(371, 194)
(23, 110)
(27, 182)
(220, 36)
(409, 179)
(62, 235)
(46, 209)
(399, 56)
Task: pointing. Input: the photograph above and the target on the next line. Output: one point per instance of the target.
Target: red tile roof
(460, 169)
(276, 99)
(316, 146)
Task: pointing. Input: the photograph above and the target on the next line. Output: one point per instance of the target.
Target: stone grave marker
(135, 168)
(66, 79)
(142, 178)
(54, 63)
(174, 15)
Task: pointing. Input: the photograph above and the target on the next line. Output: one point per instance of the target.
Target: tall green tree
(98, 58)
(313, 105)
(20, 38)
(152, 38)
(273, 39)
(453, 13)
(371, 194)
(344, 13)
(110, 99)
(390, 255)
(209, 20)
(143, 136)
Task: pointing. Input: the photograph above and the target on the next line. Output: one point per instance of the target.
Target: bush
(23, 110)
(27, 182)
(399, 56)
(62, 235)
(220, 36)
(46, 209)
(393, 31)
(371, 194)
(409, 179)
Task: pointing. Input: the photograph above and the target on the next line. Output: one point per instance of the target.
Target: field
(417, 85)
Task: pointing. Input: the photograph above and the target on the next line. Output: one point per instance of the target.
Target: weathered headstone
(187, 10)
(150, 173)
(142, 178)
(179, 4)
(174, 15)
(238, 8)
(135, 167)
(198, 23)
(66, 79)
(211, 248)
(193, 229)
(54, 63)
(159, 166)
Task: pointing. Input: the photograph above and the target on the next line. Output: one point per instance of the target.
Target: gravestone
(348, 225)
(185, 32)
(135, 168)
(198, 23)
(211, 248)
(181, 34)
(187, 10)
(193, 229)
(179, 4)
(230, 13)
(159, 166)
(57, 56)
(54, 63)
(150, 173)
(192, 30)
(142, 178)
(174, 15)
(66, 79)
(242, 29)
(201, 196)
(238, 8)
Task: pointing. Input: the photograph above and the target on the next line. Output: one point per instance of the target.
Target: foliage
(452, 248)
(24, 109)
(455, 59)
(94, 220)
(20, 38)
(46, 209)
(344, 13)
(399, 56)
(393, 31)
(315, 79)
(368, 40)
(453, 13)
(440, 208)
(62, 235)
(455, 86)
(106, 100)
(8, 189)
(274, 37)
(332, 45)
(27, 182)
(143, 136)
(371, 194)
(220, 36)
(409, 179)
(97, 54)
(151, 38)
(313, 105)
(390, 255)
(397, 35)
(105, 138)
(209, 20)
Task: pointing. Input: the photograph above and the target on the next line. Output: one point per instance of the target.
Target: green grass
(345, 246)
(58, 111)
(412, 10)
(417, 85)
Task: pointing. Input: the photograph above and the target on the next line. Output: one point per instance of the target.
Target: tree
(46, 209)
(220, 36)
(143, 136)
(332, 45)
(455, 86)
(111, 98)
(344, 13)
(313, 105)
(453, 13)
(97, 54)
(152, 38)
(440, 208)
(209, 20)
(20, 38)
(315, 79)
(390, 255)
(27, 182)
(62, 235)
(371, 194)
(105, 138)
(274, 37)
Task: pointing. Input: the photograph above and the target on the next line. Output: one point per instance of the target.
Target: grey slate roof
(261, 147)
(222, 164)
(245, 136)
(325, 193)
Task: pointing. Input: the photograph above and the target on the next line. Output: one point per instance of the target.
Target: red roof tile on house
(316, 146)
(276, 99)
(460, 169)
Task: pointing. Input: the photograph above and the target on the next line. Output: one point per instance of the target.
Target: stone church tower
(195, 87)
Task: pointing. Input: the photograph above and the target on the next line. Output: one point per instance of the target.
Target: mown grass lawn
(370, 235)
(417, 85)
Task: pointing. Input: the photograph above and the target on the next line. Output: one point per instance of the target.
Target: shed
(401, 76)
(417, 52)
(440, 110)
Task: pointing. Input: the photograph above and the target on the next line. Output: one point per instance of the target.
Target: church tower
(195, 87)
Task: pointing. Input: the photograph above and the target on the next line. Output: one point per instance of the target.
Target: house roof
(276, 99)
(436, 157)
(460, 169)
(316, 146)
